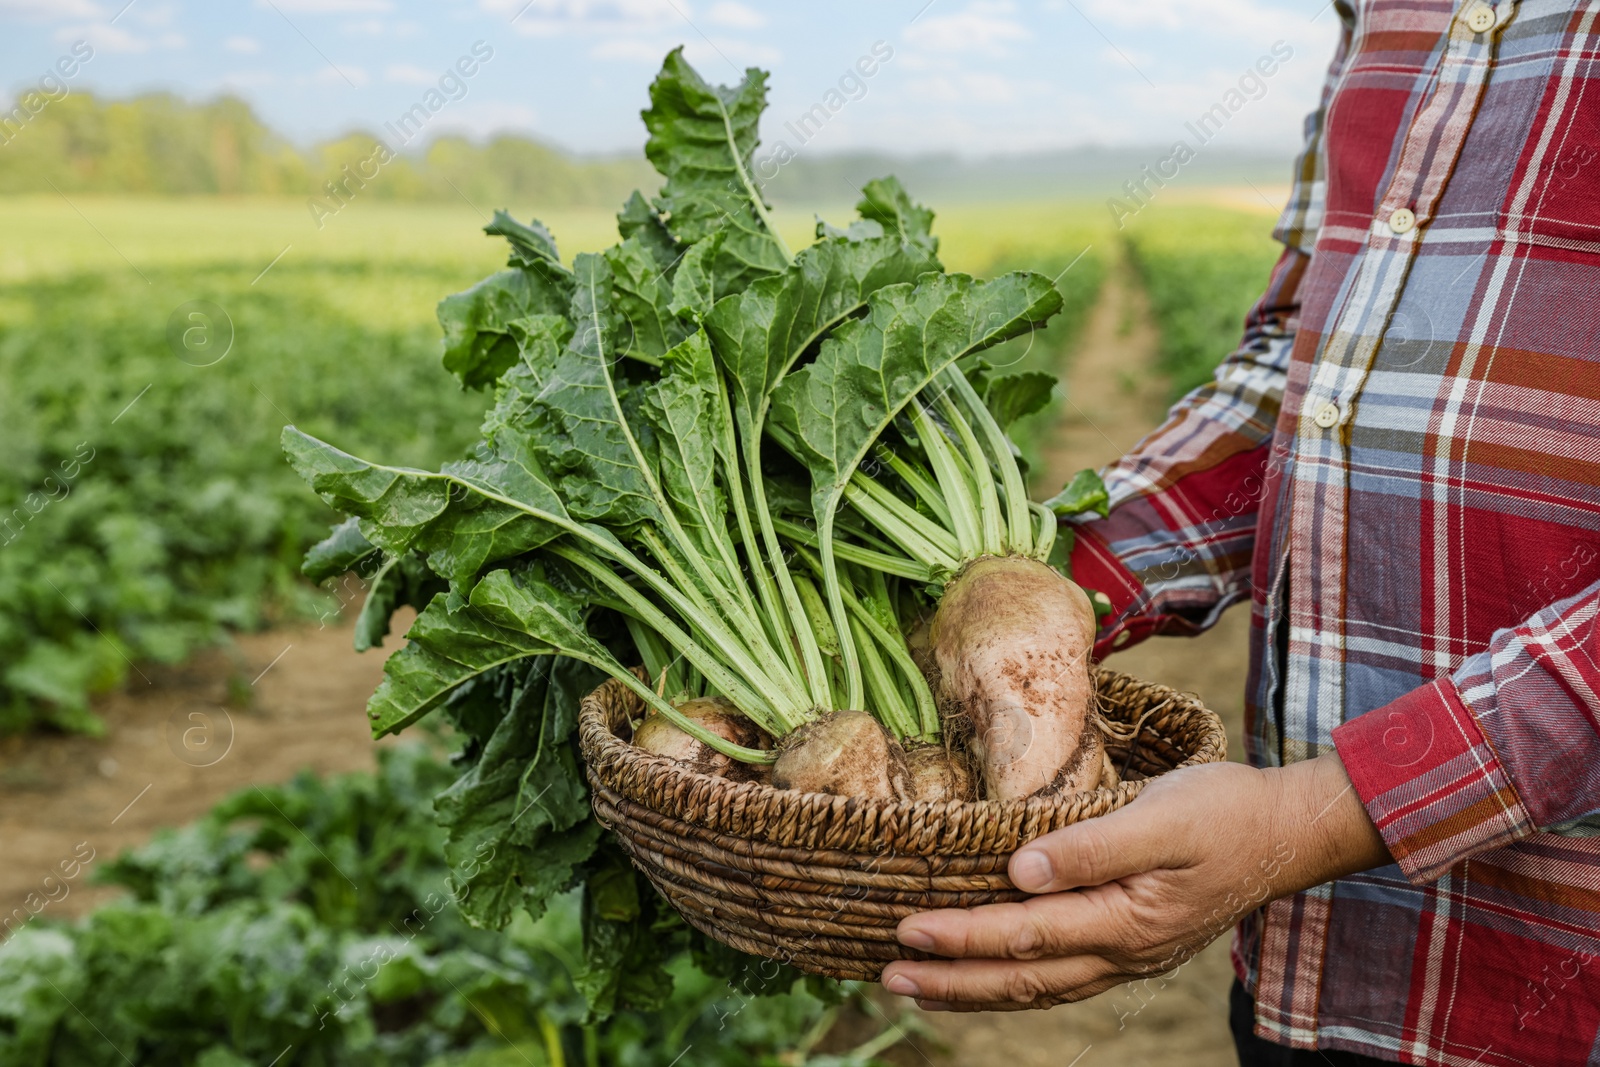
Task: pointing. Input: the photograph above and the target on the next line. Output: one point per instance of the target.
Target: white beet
(660, 736)
(1012, 639)
(938, 774)
(846, 753)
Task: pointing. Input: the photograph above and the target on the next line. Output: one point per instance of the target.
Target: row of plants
(144, 506)
(319, 922)
(1203, 268)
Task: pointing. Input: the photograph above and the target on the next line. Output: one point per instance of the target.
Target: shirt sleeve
(1507, 745)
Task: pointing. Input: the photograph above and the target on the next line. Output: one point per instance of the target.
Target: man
(1400, 467)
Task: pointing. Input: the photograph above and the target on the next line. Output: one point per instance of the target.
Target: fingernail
(934, 1005)
(1031, 870)
(902, 986)
(916, 939)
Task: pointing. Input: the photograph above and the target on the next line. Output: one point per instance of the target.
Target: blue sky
(972, 76)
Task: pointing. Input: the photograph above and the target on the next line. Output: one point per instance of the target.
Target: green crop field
(1203, 268)
(237, 938)
(145, 508)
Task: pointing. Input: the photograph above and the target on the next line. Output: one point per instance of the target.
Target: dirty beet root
(1012, 639)
(660, 736)
(846, 753)
(938, 774)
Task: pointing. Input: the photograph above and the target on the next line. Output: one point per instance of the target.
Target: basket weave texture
(820, 881)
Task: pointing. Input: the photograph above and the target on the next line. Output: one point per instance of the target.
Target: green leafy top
(869, 369)
(702, 138)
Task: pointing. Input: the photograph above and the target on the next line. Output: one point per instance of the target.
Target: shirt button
(1326, 416)
(1480, 17)
(1403, 220)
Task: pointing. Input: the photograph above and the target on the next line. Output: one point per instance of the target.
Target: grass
(145, 508)
(1203, 269)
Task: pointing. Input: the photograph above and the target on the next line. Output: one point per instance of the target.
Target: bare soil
(257, 712)
(275, 703)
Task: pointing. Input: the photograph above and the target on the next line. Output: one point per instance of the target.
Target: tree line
(161, 145)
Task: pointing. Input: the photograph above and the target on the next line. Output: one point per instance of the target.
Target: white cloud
(244, 80)
(330, 7)
(1131, 59)
(483, 118)
(735, 16)
(1234, 19)
(984, 28)
(551, 18)
(406, 74)
(152, 14)
(978, 88)
(381, 28)
(628, 49)
(104, 37)
(247, 45)
(52, 10)
(711, 57)
(642, 31)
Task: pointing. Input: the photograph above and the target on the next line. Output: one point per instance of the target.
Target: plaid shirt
(1400, 468)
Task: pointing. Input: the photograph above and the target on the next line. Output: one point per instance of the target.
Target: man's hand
(1138, 892)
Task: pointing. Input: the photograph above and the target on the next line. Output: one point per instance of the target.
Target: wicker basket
(820, 881)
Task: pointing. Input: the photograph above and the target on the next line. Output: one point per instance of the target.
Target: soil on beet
(845, 753)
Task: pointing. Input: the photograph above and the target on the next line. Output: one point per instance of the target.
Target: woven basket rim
(789, 818)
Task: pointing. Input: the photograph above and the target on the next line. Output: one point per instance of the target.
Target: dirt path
(1112, 402)
(258, 712)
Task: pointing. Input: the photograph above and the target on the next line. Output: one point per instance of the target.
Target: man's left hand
(1140, 891)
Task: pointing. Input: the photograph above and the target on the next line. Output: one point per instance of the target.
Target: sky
(974, 77)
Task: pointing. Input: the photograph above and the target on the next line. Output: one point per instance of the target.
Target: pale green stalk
(1016, 492)
(919, 481)
(990, 519)
(957, 493)
(914, 537)
(1045, 540)
(883, 562)
(762, 698)
(887, 703)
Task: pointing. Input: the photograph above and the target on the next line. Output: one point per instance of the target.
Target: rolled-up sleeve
(1507, 745)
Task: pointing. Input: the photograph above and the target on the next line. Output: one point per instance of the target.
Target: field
(144, 505)
(179, 525)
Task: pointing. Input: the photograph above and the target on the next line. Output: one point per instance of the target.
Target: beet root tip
(660, 736)
(846, 753)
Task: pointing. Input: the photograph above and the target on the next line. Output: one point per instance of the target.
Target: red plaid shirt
(1400, 469)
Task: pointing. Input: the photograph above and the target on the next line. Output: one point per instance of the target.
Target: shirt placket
(1294, 929)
